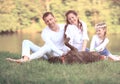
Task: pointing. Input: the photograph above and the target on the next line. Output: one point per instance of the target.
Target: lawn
(42, 72)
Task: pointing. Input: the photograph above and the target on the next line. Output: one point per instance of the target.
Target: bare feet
(22, 60)
(16, 60)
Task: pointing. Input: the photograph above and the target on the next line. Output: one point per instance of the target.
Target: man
(53, 35)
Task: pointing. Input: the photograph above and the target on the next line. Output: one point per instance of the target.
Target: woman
(78, 36)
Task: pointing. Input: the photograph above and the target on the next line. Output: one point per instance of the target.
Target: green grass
(42, 72)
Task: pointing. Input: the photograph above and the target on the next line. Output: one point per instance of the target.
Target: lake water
(12, 43)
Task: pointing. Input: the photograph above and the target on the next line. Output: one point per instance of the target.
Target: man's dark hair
(46, 14)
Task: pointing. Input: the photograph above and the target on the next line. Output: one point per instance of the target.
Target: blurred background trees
(20, 14)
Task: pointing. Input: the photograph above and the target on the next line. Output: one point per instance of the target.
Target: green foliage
(6, 6)
(26, 12)
(42, 72)
(90, 11)
(19, 13)
(8, 22)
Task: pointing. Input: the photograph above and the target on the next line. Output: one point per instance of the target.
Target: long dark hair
(75, 13)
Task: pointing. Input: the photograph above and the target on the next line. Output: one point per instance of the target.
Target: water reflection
(12, 43)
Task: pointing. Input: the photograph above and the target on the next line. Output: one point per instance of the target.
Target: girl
(78, 36)
(100, 41)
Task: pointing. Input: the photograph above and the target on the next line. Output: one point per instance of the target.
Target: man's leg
(41, 52)
(27, 46)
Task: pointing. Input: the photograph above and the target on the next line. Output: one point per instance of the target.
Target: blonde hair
(101, 25)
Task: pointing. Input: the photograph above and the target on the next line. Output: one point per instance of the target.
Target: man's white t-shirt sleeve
(46, 37)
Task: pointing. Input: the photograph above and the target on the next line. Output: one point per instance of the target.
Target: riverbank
(33, 28)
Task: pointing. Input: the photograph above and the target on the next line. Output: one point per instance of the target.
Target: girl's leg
(105, 52)
(109, 56)
(114, 57)
(87, 49)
